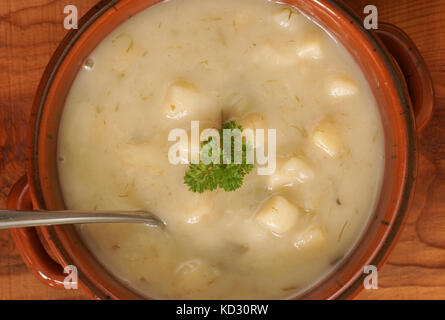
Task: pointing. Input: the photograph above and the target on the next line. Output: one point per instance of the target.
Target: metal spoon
(19, 219)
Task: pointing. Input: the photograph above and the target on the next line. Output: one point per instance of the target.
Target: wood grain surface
(30, 30)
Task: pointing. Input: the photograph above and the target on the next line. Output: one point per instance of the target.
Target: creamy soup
(265, 66)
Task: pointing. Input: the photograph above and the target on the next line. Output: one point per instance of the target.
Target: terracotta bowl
(403, 90)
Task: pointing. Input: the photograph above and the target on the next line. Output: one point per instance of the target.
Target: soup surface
(263, 65)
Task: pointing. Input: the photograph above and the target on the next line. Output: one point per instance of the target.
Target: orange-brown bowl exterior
(380, 70)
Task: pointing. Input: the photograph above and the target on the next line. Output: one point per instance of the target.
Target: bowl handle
(28, 242)
(414, 69)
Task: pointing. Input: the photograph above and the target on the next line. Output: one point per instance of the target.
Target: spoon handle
(19, 219)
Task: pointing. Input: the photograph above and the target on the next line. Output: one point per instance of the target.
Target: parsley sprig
(226, 175)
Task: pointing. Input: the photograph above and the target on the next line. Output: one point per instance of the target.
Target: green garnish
(226, 174)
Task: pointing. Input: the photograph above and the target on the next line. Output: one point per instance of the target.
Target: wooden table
(30, 30)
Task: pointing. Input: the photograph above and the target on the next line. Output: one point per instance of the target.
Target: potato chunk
(284, 17)
(198, 209)
(290, 171)
(277, 215)
(310, 48)
(194, 275)
(181, 100)
(313, 238)
(184, 101)
(327, 139)
(342, 87)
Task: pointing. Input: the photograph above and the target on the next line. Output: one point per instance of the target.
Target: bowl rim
(52, 234)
